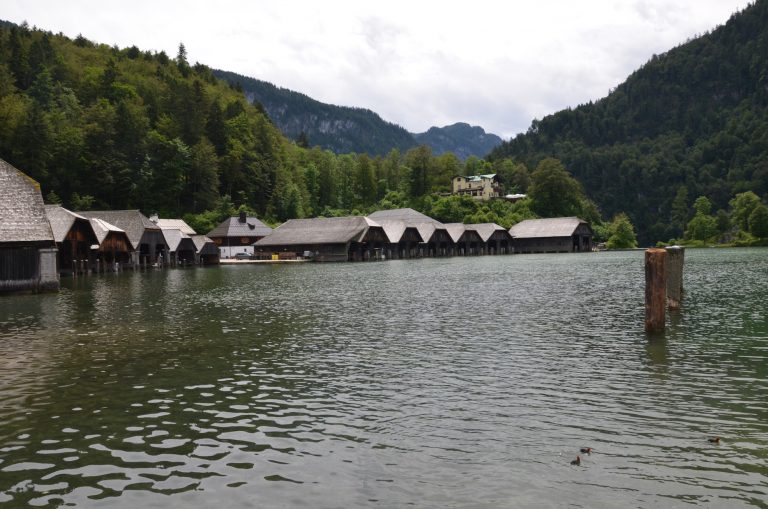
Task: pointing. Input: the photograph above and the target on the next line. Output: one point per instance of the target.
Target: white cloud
(416, 63)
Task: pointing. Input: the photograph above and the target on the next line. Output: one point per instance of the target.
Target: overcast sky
(417, 63)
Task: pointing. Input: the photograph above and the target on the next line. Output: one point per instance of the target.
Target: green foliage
(758, 222)
(621, 233)
(553, 191)
(743, 204)
(695, 118)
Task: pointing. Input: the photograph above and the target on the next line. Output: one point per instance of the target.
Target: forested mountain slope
(690, 122)
(461, 139)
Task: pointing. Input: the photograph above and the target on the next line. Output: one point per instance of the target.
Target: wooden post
(655, 290)
(675, 259)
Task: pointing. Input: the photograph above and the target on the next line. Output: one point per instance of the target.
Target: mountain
(340, 129)
(343, 129)
(460, 138)
(691, 122)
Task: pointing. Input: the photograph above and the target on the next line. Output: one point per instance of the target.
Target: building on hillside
(481, 187)
(554, 235)
(466, 241)
(435, 238)
(113, 247)
(495, 238)
(402, 240)
(74, 237)
(238, 234)
(326, 239)
(27, 247)
(147, 242)
(207, 253)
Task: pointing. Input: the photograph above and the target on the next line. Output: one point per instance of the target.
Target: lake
(456, 382)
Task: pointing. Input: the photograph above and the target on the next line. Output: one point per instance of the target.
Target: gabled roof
(394, 229)
(319, 230)
(546, 228)
(178, 224)
(486, 230)
(102, 229)
(232, 227)
(61, 220)
(22, 214)
(477, 178)
(204, 245)
(460, 233)
(409, 216)
(178, 240)
(133, 222)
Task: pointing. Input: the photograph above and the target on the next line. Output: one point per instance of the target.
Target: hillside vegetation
(691, 122)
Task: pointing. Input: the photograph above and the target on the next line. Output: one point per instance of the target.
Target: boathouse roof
(177, 240)
(241, 226)
(132, 222)
(319, 230)
(460, 232)
(176, 224)
(22, 214)
(409, 216)
(546, 228)
(61, 221)
(102, 229)
(394, 229)
(487, 230)
(204, 245)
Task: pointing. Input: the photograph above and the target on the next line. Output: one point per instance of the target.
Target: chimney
(154, 218)
(242, 217)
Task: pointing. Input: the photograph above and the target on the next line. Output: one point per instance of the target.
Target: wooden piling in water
(655, 290)
(675, 261)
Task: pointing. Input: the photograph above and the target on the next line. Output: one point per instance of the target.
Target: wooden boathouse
(206, 250)
(27, 246)
(435, 238)
(402, 240)
(553, 235)
(113, 250)
(495, 238)
(74, 237)
(238, 234)
(326, 239)
(147, 242)
(466, 241)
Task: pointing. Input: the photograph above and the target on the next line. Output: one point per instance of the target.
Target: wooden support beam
(655, 290)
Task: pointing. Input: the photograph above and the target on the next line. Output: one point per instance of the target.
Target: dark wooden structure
(113, 249)
(27, 247)
(435, 238)
(466, 241)
(495, 238)
(326, 239)
(206, 251)
(655, 290)
(402, 240)
(554, 235)
(238, 234)
(181, 247)
(74, 237)
(146, 238)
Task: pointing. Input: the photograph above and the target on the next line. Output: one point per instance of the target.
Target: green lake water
(457, 382)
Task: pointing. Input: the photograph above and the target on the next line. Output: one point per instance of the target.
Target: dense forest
(692, 122)
(104, 127)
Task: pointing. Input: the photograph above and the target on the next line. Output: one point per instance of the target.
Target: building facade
(480, 187)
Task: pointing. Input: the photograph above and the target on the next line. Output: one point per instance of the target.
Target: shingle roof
(102, 228)
(232, 227)
(61, 220)
(394, 229)
(319, 230)
(410, 216)
(460, 233)
(178, 240)
(133, 222)
(178, 224)
(486, 230)
(204, 245)
(545, 228)
(22, 214)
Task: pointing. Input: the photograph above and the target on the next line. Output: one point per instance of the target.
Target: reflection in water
(456, 382)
